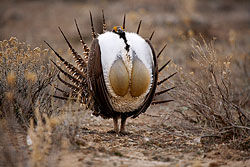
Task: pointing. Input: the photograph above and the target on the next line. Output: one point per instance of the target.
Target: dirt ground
(161, 136)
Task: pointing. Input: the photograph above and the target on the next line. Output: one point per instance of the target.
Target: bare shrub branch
(25, 78)
(210, 92)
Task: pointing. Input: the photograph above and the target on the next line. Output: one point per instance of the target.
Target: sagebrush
(213, 94)
(26, 75)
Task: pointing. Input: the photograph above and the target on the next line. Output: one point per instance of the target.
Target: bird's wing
(95, 72)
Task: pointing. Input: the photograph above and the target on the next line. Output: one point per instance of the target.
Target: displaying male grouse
(117, 77)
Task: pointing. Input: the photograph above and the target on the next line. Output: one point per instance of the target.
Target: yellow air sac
(140, 78)
(119, 78)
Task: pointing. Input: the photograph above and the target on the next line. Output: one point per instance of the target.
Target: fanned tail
(159, 83)
(86, 50)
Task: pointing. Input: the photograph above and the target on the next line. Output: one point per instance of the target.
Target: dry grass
(216, 93)
(25, 78)
(24, 86)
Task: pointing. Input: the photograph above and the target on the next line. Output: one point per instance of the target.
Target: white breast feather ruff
(111, 45)
(142, 49)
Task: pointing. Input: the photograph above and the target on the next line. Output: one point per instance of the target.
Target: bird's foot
(112, 132)
(124, 133)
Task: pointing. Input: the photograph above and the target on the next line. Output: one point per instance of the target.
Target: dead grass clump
(25, 75)
(53, 138)
(13, 151)
(210, 96)
(39, 139)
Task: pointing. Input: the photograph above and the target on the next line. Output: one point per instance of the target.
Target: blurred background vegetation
(173, 20)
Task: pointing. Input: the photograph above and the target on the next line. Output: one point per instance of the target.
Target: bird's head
(118, 30)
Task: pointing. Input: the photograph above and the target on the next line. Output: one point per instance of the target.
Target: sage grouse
(117, 77)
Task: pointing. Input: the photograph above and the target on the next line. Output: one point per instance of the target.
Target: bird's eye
(115, 29)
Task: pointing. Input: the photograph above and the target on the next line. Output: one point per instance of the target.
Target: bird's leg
(123, 123)
(116, 128)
